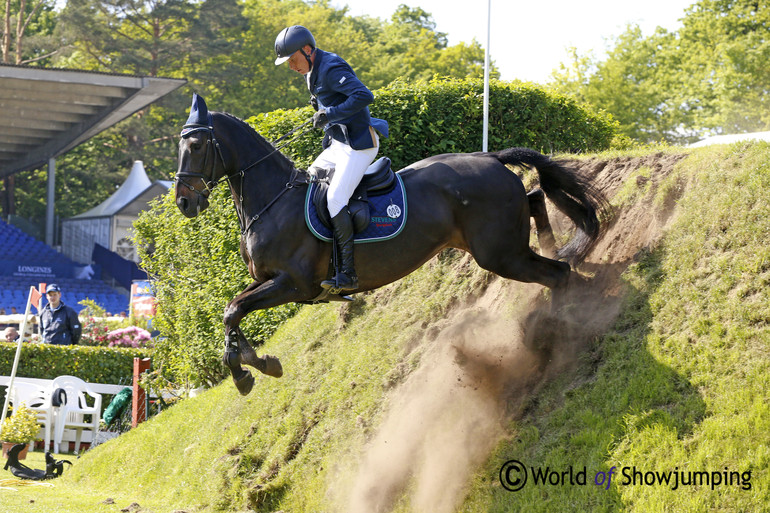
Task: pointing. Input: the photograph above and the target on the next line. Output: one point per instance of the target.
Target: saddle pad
(387, 213)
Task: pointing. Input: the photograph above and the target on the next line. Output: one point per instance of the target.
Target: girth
(379, 179)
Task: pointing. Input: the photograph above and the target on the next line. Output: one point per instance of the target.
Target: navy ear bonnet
(200, 117)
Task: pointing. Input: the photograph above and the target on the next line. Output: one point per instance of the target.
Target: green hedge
(446, 116)
(89, 363)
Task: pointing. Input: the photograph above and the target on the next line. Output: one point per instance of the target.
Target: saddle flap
(378, 179)
(358, 207)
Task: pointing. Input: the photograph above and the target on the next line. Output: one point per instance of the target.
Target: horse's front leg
(256, 296)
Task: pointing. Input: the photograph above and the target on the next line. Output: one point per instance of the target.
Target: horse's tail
(572, 195)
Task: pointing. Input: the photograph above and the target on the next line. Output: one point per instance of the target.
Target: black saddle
(379, 179)
(53, 467)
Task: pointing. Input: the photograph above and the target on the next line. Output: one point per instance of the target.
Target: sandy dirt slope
(481, 362)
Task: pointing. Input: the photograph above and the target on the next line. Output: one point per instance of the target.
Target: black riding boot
(346, 278)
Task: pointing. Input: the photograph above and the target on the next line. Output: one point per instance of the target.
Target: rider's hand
(314, 102)
(319, 119)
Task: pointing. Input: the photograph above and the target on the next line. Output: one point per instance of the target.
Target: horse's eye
(196, 146)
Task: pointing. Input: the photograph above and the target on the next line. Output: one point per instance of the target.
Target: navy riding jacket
(60, 326)
(338, 91)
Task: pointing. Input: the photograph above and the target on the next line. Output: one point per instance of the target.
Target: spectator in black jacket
(59, 324)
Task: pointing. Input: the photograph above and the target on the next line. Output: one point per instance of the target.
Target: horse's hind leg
(538, 211)
(527, 266)
(503, 248)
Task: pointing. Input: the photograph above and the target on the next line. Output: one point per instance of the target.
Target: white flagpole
(485, 136)
(18, 354)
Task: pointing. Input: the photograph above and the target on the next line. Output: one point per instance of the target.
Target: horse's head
(201, 164)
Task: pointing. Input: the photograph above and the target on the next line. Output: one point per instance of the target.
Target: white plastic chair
(38, 399)
(76, 413)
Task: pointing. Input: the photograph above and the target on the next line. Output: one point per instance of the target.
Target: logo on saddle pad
(379, 213)
(393, 211)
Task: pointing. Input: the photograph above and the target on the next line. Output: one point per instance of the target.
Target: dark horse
(467, 201)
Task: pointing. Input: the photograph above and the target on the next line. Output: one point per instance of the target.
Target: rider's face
(299, 63)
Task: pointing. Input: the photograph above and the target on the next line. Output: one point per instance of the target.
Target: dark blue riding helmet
(199, 119)
(290, 40)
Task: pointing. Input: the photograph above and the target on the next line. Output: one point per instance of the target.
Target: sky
(529, 39)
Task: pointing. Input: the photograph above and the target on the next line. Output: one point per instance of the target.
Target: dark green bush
(198, 270)
(91, 364)
(446, 116)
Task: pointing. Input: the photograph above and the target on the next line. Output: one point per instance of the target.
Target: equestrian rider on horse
(350, 134)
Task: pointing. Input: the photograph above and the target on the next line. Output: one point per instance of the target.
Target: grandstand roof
(46, 112)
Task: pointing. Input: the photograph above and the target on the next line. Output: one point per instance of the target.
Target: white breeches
(350, 167)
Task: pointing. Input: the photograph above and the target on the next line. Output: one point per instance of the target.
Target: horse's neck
(265, 172)
(258, 187)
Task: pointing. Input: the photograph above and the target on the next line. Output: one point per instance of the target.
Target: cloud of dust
(446, 418)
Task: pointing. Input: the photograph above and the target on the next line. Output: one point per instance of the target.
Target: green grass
(682, 383)
(679, 382)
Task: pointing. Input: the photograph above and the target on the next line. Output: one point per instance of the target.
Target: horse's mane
(257, 137)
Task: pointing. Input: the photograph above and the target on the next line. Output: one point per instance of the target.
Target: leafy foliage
(21, 427)
(26, 31)
(708, 77)
(446, 115)
(92, 364)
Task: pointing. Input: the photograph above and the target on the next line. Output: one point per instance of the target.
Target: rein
(211, 141)
(275, 150)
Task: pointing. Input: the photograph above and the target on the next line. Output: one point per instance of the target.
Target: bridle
(211, 142)
(209, 183)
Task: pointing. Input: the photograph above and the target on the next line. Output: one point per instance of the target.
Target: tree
(625, 84)
(172, 38)
(26, 30)
(26, 38)
(725, 63)
(711, 76)
(406, 47)
(411, 49)
(127, 36)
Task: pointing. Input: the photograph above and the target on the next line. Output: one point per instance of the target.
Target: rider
(350, 134)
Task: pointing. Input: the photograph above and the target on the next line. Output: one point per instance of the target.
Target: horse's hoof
(272, 366)
(244, 383)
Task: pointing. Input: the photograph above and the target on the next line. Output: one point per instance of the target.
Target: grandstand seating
(17, 246)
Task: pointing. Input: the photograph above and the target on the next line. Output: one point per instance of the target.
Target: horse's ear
(199, 118)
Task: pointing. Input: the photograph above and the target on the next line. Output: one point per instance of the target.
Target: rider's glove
(319, 119)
